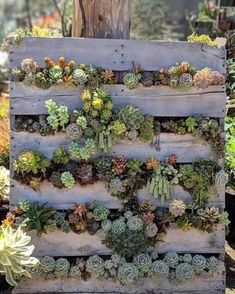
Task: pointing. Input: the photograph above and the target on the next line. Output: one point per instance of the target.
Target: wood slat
(180, 145)
(119, 54)
(66, 198)
(58, 243)
(156, 100)
(198, 285)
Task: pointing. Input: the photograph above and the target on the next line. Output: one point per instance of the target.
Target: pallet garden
(117, 164)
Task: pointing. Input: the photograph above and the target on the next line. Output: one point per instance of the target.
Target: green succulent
(56, 73)
(118, 128)
(135, 223)
(215, 266)
(74, 131)
(60, 156)
(185, 80)
(116, 187)
(75, 272)
(198, 263)
(151, 230)
(187, 258)
(35, 271)
(4, 183)
(82, 122)
(171, 259)
(134, 165)
(47, 263)
(191, 124)
(85, 152)
(24, 205)
(101, 213)
(31, 162)
(106, 225)
(41, 80)
(160, 269)
(143, 262)
(184, 271)
(55, 179)
(221, 178)
(95, 266)
(15, 254)
(103, 164)
(62, 266)
(128, 273)
(79, 77)
(131, 116)
(58, 115)
(147, 130)
(118, 226)
(67, 179)
(131, 80)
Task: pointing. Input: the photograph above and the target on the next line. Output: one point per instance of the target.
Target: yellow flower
(97, 103)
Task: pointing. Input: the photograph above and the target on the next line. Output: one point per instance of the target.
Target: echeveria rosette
(95, 266)
(143, 262)
(135, 223)
(118, 226)
(75, 272)
(151, 230)
(73, 131)
(101, 213)
(47, 264)
(184, 271)
(215, 266)
(106, 225)
(128, 273)
(198, 263)
(172, 259)
(187, 258)
(131, 116)
(62, 266)
(160, 269)
(221, 178)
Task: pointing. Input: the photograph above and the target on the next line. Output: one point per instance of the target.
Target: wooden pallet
(158, 101)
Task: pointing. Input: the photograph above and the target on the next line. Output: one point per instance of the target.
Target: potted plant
(224, 25)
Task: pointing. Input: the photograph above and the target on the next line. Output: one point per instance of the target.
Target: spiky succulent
(79, 77)
(4, 183)
(184, 271)
(177, 208)
(101, 213)
(131, 116)
(143, 262)
(95, 266)
(198, 263)
(47, 263)
(128, 273)
(60, 156)
(67, 179)
(62, 266)
(160, 269)
(15, 253)
(172, 259)
(131, 80)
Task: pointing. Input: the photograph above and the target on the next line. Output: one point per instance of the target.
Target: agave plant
(15, 254)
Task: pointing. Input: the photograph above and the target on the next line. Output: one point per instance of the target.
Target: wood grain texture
(66, 198)
(199, 285)
(180, 145)
(192, 241)
(156, 100)
(108, 19)
(119, 54)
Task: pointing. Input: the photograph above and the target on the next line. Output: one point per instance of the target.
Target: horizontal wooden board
(198, 285)
(66, 198)
(119, 54)
(155, 100)
(180, 145)
(58, 243)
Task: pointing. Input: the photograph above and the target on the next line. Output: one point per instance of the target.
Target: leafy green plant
(230, 150)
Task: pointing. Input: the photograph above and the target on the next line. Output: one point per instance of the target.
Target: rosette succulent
(29, 66)
(131, 80)
(67, 179)
(60, 156)
(131, 116)
(143, 262)
(56, 73)
(79, 77)
(151, 230)
(62, 266)
(177, 208)
(160, 269)
(184, 271)
(172, 259)
(215, 266)
(221, 178)
(187, 258)
(74, 131)
(106, 225)
(95, 266)
(101, 213)
(24, 205)
(118, 226)
(47, 263)
(185, 80)
(128, 273)
(135, 223)
(75, 272)
(198, 263)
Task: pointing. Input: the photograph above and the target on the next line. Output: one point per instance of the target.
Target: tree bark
(108, 19)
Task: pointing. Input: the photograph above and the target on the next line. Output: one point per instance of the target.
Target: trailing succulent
(182, 268)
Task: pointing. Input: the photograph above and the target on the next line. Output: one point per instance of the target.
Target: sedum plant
(82, 153)
(67, 179)
(15, 254)
(58, 115)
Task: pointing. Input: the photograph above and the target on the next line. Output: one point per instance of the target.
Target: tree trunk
(108, 19)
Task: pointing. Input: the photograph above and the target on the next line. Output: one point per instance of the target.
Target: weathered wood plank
(156, 100)
(66, 198)
(199, 285)
(58, 243)
(180, 145)
(119, 54)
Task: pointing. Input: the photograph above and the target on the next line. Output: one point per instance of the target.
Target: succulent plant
(160, 269)
(217, 78)
(143, 262)
(106, 225)
(82, 122)
(85, 174)
(85, 152)
(47, 263)
(67, 179)
(147, 78)
(134, 165)
(73, 131)
(56, 73)
(62, 266)
(202, 79)
(24, 205)
(221, 178)
(135, 223)
(172, 259)
(146, 130)
(118, 128)
(60, 156)
(198, 263)
(177, 208)
(146, 206)
(95, 266)
(31, 162)
(131, 116)
(215, 266)
(118, 226)
(100, 213)
(58, 115)
(151, 230)
(131, 80)
(184, 271)
(79, 77)
(132, 135)
(128, 273)
(35, 271)
(174, 81)
(185, 80)
(75, 272)
(191, 123)
(29, 66)
(103, 164)
(15, 253)
(116, 187)
(119, 164)
(187, 258)
(41, 80)
(71, 167)
(152, 163)
(203, 39)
